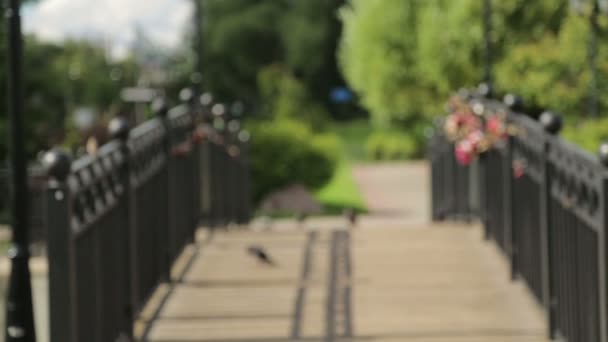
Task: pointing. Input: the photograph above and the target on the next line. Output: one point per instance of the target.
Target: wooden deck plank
(417, 284)
(411, 281)
(439, 284)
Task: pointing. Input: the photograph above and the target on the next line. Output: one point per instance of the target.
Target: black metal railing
(544, 204)
(451, 194)
(118, 219)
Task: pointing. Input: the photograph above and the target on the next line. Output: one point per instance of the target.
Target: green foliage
(243, 37)
(285, 97)
(240, 37)
(588, 134)
(404, 58)
(353, 135)
(286, 151)
(391, 146)
(341, 192)
(310, 32)
(378, 57)
(557, 78)
(57, 79)
(421, 51)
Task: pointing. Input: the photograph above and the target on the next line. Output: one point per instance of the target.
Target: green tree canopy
(59, 78)
(243, 37)
(404, 58)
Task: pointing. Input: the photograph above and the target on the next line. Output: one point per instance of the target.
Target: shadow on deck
(391, 278)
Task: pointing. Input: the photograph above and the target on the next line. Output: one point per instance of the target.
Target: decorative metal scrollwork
(95, 185)
(147, 150)
(576, 182)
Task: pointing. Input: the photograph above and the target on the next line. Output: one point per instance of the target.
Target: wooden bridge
(392, 277)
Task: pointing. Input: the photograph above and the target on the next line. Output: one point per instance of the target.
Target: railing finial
(514, 102)
(602, 153)
(485, 89)
(186, 95)
(119, 128)
(551, 121)
(206, 99)
(244, 136)
(57, 163)
(160, 106)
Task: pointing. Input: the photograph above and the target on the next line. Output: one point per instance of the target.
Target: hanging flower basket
(473, 129)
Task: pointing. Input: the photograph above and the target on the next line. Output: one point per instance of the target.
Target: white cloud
(164, 21)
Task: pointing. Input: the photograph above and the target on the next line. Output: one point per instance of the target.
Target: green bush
(286, 98)
(286, 152)
(391, 146)
(588, 134)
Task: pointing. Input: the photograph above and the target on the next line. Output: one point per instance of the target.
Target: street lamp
(19, 310)
(592, 8)
(197, 77)
(487, 30)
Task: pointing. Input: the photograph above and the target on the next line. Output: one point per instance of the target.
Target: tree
(59, 78)
(242, 37)
(379, 58)
(310, 32)
(405, 57)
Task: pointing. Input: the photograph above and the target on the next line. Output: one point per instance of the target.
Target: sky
(112, 21)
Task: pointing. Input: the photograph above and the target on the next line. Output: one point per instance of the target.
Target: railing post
(62, 287)
(187, 96)
(513, 103)
(206, 134)
(245, 211)
(485, 91)
(234, 159)
(119, 129)
(603, 252)
(219, 163)
(193, 178)
(160, 108)
(552, 124)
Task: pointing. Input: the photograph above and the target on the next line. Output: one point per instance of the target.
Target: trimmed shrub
(286, 152)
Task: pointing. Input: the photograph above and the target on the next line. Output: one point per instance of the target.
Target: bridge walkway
(392, 277)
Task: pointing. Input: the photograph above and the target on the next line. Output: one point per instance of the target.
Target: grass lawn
(341, 192)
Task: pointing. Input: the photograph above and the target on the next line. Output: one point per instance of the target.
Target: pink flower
(475, 138)
(519, 169)
(464, 151)
(496, 127)
(471, 122)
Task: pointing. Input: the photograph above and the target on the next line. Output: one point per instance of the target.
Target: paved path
(394, 277)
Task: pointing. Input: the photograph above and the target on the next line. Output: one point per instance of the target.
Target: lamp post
(582, 7)
(487, 31)
(594, 103)
(197, 76)
(19, 311)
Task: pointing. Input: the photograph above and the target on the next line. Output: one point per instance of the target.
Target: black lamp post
(19, 310)
(594, 103)
(198, 45)
(582, 7)
(487, 31)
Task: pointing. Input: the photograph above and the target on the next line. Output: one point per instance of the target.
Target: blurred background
(321, 84)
